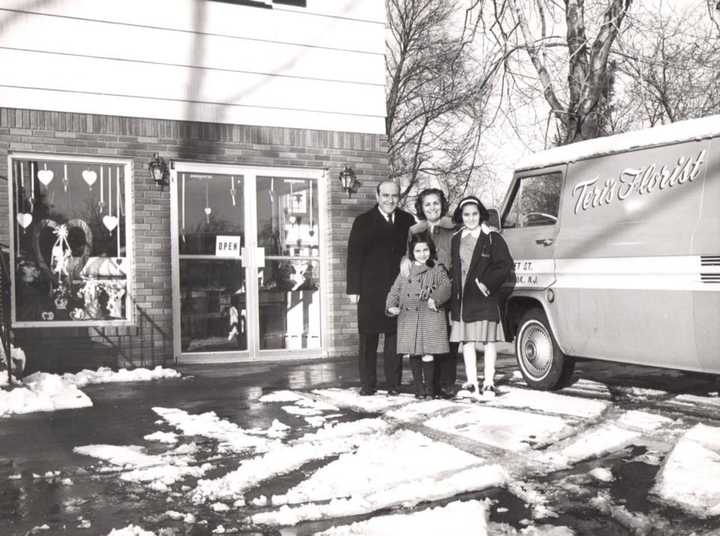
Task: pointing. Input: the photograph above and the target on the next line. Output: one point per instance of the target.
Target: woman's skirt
(480, 331)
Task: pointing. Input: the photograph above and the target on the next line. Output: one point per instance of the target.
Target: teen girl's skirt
(480, 331)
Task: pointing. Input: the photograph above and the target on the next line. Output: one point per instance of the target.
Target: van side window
(536, 201)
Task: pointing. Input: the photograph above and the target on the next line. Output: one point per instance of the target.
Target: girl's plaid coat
(420, 330)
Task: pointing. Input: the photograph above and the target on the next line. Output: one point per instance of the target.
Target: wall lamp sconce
(348, 181)
(159, 170)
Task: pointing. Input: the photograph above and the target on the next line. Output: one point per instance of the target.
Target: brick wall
(138, 139)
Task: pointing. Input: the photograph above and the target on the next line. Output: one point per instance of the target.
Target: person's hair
(470, 200)
(386, 181)
(421, 198)
(423, 238)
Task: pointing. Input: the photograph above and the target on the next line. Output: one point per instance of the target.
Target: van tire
(542, 363)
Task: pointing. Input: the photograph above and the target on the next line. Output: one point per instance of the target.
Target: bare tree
(436, 93)
(569, 68)
(671, 62)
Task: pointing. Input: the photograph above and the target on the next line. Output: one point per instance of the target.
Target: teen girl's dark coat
(491, 265)
(375, 248)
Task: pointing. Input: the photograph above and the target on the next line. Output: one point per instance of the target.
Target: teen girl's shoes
(488, 392)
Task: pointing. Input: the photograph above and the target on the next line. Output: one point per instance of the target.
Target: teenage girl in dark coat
(481, 263)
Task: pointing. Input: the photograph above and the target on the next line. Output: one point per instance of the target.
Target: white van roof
(692, 129)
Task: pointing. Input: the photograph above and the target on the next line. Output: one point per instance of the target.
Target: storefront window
(71, 239)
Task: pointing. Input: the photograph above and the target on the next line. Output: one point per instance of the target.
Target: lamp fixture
(159, 170)
(348, 181)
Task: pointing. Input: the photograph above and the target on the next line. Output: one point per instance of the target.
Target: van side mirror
(494, 219)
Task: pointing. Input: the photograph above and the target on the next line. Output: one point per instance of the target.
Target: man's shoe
(447, 394)
(393, 391)
(367, 392)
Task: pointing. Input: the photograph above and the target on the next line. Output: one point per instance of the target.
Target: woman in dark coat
(431, 208)
(481, 263)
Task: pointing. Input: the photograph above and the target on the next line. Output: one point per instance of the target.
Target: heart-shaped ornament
(24, 219)
(89, 176)
(45, 176)
(208, 211)
(110, 222)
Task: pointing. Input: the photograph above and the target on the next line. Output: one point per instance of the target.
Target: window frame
(513, 193)
(128, 174)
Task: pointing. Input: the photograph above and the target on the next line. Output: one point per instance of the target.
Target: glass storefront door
(230, 222)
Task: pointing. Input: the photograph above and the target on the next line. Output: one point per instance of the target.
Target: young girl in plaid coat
(417, 299)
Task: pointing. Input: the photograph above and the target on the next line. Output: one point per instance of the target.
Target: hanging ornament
(24, 219)
(110, 222)
(208, 210)
(45, 175)
(32, 186)
(89, 176)
(65, 179)
(101, 203)
(232, 190)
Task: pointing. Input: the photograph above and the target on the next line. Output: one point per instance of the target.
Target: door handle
(544, 241)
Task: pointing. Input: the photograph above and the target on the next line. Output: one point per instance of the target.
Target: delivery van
(616, 244)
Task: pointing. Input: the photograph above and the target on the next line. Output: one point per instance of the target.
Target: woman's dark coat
(375, 248)
(491, 265)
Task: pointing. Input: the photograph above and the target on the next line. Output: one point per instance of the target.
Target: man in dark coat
(378, 240)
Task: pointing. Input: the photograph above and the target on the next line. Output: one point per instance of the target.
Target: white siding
(316, 67)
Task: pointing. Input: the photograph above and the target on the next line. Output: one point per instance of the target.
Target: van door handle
(544, 241)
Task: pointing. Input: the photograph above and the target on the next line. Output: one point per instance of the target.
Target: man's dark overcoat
(375, 248)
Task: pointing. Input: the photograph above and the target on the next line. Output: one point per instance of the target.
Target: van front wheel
(542, 363)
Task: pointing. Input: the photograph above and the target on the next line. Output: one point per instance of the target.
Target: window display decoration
(70, 241)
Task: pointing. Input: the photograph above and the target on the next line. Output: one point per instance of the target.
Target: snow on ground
(162, 437)
(230, 436)
(43, 391)
(690, 478)
(603, 438)
(107, 375)
(131, 530)
(407, 494)
(421, 410)
(283, 459)
(380, 462)
(157, 471)
(454, 518)
(281, 396)
(551, 403)
(350, 398)
(503, 428)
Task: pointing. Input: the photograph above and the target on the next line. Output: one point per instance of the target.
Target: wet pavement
(66, 492)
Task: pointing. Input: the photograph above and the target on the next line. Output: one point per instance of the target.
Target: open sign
(227, 246)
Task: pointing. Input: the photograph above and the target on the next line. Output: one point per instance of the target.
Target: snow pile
(350, 398)
(690, 478)
(283, 459)
(42, 392)
(380, 462)
(604, 438)
(107, 375)
(158, 472)
(281, 396)
(131, 530)
(455, 518)
(506, 429)
(551, 403)
(230, 436)
(407, 495)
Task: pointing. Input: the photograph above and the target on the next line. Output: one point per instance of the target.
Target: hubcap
(536, 350)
